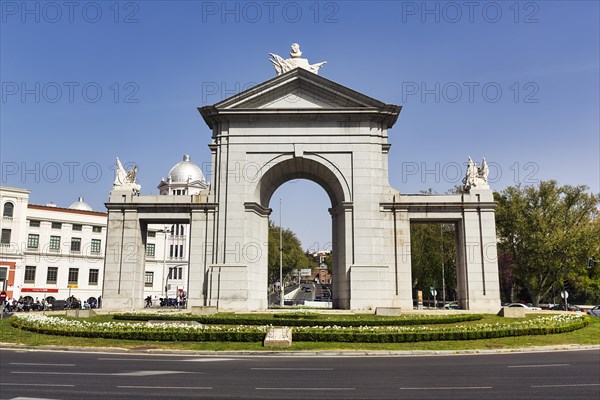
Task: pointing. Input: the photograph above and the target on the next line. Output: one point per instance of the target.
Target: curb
(324, 353)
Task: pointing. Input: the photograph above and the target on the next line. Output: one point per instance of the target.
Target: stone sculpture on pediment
(296, 61)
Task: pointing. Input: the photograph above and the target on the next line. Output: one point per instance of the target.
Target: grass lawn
(586, 336)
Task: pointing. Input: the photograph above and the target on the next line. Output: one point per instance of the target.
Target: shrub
(137, 331)
(290, 319)
(536, 326)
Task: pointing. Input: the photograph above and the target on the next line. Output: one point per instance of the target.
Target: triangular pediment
(298, 89)
(298, 98)
(300, 92)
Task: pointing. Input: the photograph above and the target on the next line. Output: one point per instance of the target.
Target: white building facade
(51, 252)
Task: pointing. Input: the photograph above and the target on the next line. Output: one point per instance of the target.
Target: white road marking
(149, 373)
(538, 365)
(133, 359)
(162, 361)
(34, 384)
(167, 387)
(132, 373)
(44, 365)
(446, 388)
(302, 388)
(567, 385)
(30, 398)
(292, 369)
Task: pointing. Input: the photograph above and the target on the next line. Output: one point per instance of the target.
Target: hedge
(180, 332)
(454, 333)
(156, 332)
(296, 319)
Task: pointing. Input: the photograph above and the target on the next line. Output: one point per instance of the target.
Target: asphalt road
(74, 375)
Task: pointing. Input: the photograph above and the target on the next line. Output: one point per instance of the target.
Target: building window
(75, 244)
(150, 250)
(9, 209)
(96, 229)
(54, 243)
(77, 227)
(95, 248)
(52, 275)
(33, 241)
(175, 273)
(73, 276)
(93, 280)
(177, 230)
(181, 250)
(29, 274)
(56, 225)
(170, 249)
(34, 223)
(151, 234)
(5, 239)
(149, 279)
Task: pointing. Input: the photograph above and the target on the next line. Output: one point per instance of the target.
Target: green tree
(293, 255)
(548, 229)
(430, 245)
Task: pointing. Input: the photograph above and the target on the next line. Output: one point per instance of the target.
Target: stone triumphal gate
(300, 125)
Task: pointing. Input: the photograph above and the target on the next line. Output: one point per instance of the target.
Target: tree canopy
(293, 255)
(544, 232)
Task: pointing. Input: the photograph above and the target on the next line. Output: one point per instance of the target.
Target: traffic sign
(2, 296)
(564, 294)
(433, 292)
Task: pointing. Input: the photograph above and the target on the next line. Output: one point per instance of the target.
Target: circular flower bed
(174, 331)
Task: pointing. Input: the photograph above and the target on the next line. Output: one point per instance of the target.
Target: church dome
(80, 205)
(186, 170)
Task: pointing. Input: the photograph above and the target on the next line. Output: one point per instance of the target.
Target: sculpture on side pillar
(125, 180)
(283, 66)
(476, 177)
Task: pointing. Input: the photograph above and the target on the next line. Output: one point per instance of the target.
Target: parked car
(451, 306)
(561, 307)
(594, 312)
(525, 306)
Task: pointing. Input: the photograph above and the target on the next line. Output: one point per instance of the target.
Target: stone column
(403, 266)
(479, 251)
(200, 255)
(342, 254)
(124, 261)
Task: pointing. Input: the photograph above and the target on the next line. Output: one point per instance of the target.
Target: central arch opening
(300, 212)
(328, 283)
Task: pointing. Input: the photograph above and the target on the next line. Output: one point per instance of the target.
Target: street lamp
(281, 291)
(165, 273)
(443, 275)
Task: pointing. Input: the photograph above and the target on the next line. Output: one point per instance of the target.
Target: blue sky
(515, 82)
